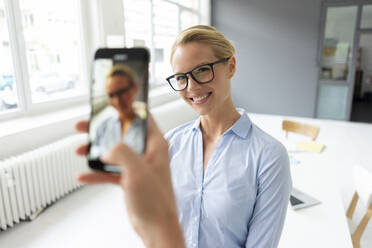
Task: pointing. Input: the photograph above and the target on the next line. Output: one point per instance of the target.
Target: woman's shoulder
(107, 123)
(267, 143)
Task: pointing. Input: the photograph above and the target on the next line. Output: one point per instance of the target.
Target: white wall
(29, 132)
(276, 43)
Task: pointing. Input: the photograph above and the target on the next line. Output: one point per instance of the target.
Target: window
(51, 36)
(46, 47)
(188, 19)
(8, 91)
(166, 28)
(46, 58)
(155, 24)
(366, 21)
(137, 14)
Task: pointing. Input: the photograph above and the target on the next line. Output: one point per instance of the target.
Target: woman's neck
(127, 117)
(216, 123)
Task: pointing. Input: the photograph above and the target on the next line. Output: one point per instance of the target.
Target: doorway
(345, 58)
(362, 98)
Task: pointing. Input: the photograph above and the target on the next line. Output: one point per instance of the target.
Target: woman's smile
(200, 99)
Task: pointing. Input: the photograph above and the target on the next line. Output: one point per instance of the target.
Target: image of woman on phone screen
(126, 123)
(231, 179)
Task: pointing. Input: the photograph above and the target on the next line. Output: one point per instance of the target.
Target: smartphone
(118, 99)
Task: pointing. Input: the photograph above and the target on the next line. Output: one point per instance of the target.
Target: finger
(154, 136)
(82, 150)
(99, 177)
(122, 155)
(156, 144)
(152, 127)
(82, 126)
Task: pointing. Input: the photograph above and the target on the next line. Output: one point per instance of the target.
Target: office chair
(300, 128)
(363, 191)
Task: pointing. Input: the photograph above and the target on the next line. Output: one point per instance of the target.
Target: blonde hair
(124, 71)
(221, 47)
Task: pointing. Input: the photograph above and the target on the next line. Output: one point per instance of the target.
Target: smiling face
(121, 99)
(206, 98)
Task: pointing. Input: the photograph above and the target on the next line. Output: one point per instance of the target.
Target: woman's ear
(231, 67)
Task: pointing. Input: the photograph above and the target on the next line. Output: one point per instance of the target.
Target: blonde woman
(231, 179)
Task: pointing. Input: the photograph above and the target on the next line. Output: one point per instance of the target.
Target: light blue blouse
(109, 134)
(241, 200)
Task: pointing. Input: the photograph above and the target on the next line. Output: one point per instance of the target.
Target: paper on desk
(310, 147)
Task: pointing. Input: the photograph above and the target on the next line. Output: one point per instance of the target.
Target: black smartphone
(118, 99)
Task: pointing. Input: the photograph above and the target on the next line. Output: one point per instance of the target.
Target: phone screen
(118, 103)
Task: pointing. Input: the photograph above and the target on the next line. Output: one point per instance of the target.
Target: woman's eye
(202, 69)
(180, 78)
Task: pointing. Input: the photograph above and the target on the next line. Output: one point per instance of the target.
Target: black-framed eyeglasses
(201, 74)
(121, 91)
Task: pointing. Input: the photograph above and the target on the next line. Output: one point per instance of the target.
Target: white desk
(323, 225)
(319, 175)
(94, 216)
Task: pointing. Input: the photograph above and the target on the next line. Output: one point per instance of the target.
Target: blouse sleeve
(274, 186)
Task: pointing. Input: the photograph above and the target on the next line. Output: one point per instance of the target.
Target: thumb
(122, 155)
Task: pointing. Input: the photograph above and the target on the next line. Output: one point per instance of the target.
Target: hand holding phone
(118, 103)
(149, 196)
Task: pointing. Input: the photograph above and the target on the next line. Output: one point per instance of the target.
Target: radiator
(32, 181)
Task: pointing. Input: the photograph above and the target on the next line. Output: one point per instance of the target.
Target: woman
(232, 180)
(126, 125)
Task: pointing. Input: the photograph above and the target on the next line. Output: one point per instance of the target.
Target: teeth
(200, 98)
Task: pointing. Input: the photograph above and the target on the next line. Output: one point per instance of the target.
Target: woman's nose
(193, 85)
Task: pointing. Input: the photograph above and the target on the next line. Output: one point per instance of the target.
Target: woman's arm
(274, 188)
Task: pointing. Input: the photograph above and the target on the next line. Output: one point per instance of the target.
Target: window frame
(25, 106)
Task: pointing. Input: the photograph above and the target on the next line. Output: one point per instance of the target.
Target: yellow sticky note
(310, 147)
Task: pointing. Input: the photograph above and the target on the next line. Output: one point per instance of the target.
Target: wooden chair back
(363, 191)
(300, 128)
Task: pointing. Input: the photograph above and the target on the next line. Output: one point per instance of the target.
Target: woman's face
(121, 94)
(203, 98)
